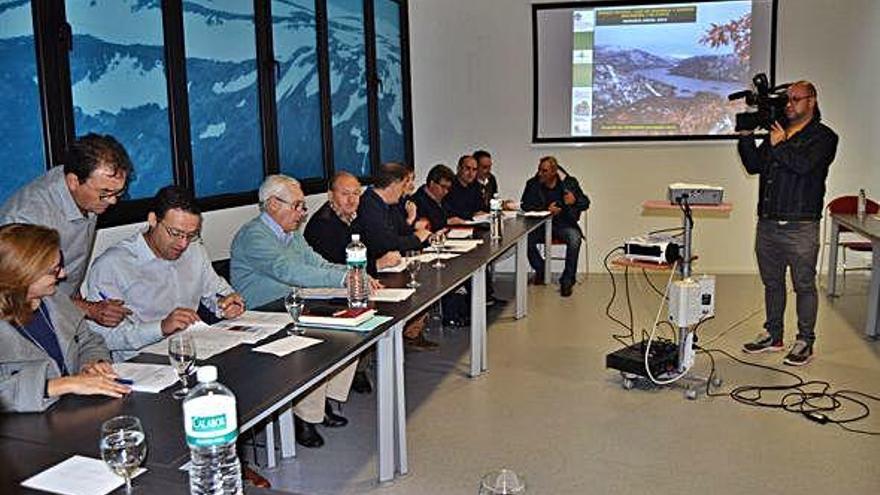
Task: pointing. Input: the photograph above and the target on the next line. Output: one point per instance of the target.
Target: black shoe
(800, 354)
(763, 343)
(306, 434)
(361, 383)
(566, 288)
(331, 419)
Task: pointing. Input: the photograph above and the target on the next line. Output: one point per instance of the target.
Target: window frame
(53, 38)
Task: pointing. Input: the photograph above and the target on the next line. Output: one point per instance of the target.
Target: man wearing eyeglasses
(269, 255)
(792, 163)
(69, 199)
(163, 274)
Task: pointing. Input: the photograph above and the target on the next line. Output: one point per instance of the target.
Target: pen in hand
(127, 316)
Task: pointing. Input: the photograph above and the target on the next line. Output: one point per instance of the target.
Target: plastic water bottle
(356, 278)
(862, 204)
(211, 430)
(495, 217)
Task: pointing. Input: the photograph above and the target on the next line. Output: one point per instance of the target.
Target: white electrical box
(685, 307)
(707, 295)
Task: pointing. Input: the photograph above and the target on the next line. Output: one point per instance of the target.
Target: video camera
(769, 102)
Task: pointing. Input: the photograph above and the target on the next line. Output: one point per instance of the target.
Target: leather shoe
(255, 478)
(361, 383)
(566, 289)
(419, 342)
(331, 419)
(306, 434)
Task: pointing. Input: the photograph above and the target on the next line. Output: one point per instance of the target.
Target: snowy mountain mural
(118, 77)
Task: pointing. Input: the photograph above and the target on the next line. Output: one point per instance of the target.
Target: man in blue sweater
(269, 255)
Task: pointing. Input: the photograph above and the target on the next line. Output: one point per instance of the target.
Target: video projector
(652, 248)
(695, 194)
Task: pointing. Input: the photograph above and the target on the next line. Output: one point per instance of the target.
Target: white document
(394, 269)
(257, 319)
(461, 245)
(285, 346)
(459, 233)
(391, 295)
(149, 378)
(430, 257)
(324, 293)
(209, 341)
(77, 475)
(535, 213)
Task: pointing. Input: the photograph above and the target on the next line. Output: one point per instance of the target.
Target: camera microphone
(738, 95)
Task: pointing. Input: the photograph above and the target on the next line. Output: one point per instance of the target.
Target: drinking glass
(123, 446)
(182, 353)
(438, 239)
(294, 302)
(413, 265)
(502, 482)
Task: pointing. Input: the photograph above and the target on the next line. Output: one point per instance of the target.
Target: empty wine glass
(438, 239)
(294, 303)
(413, 265)
(502, 482)
(123, 446)
(182, 353)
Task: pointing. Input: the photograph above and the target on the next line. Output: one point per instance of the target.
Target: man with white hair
(269, 255)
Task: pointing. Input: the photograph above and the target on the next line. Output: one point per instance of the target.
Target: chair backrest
(848, 205)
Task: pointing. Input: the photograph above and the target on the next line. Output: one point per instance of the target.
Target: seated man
(329, 232)
(563, 197)
(486, 181)
(385, 230)
(464, 199)
(269, 255)
(429, 198)
(162, 274)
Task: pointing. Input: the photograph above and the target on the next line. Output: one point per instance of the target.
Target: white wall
(471, 79)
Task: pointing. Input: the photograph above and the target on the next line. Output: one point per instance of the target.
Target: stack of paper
(149, 378)
(461, 245)
(381, 295)
(535, 213)
(460, 233)
(394, 269)
(209, 341)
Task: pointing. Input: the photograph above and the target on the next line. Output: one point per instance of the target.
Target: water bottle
(356, 278)
(211, 430)
(860, 208)
(495, 217)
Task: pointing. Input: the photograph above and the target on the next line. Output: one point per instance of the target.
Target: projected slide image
(582, 112)
(668, 69)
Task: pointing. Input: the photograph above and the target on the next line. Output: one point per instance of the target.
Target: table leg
(832, 258)
(871, 326)
(385, 404)
(548, 251)
(270, 445)
(288, 434)
(521, 277)
(400, 401)
(478, 322)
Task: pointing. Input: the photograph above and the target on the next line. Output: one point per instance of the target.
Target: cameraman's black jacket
(792, 173)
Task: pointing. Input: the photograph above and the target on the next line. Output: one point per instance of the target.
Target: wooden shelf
(625, 262)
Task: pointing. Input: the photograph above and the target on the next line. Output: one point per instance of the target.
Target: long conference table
(265, 386)
(867, 226)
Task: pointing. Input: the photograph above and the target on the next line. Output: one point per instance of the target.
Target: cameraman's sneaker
(763, 343)
(800, 354)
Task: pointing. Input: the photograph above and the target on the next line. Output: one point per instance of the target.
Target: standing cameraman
(792, 162)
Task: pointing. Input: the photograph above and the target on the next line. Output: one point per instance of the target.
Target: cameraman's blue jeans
(571, 237)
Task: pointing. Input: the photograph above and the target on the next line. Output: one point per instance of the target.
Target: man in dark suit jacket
(551, 189)
(486, 181)
(463, 200)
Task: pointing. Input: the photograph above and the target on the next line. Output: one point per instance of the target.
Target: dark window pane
(297, 92)
(117, 72)
(221, 69)
(21, 146)
(348, 86)
(392, 142)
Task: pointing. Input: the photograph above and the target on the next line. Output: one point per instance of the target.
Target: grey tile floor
(550, 410)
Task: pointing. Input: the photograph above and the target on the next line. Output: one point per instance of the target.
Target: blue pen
(124, 381)
(105, 298)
